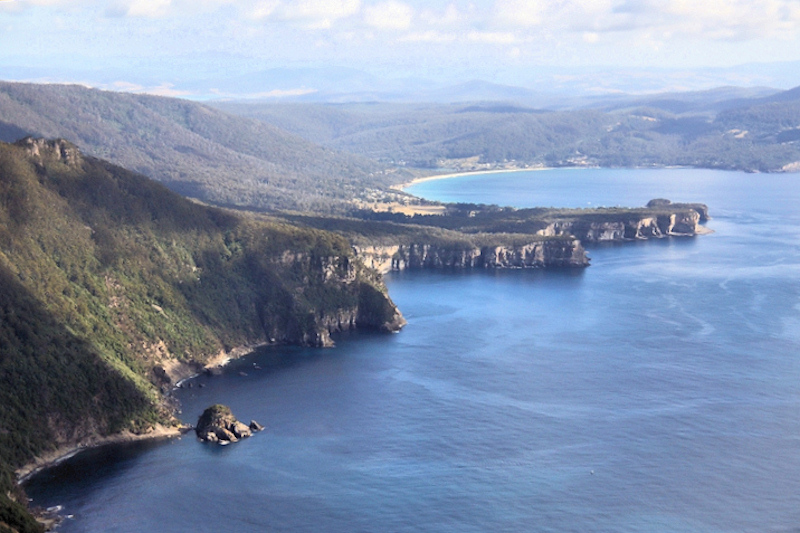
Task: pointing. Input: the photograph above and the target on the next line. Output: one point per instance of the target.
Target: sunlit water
(658, 390)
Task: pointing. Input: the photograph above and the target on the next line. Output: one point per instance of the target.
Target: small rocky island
(217, 424)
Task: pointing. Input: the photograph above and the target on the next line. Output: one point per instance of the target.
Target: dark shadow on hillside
(11, 133)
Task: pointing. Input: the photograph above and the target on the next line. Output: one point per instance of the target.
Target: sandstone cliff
(337, 294)
(491, 237)
(542, 253)
(681, 223)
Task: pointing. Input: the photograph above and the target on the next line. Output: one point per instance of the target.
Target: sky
(170, 46)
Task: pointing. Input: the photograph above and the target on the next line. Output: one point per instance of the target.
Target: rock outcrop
(543, 238)
(560, 252)
(702, 209)
(679, 224)
(661, 218)
(338, 294)
(217, 424)
(51, 150)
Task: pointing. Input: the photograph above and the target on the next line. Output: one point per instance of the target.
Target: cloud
(520, 13)
(732, 19)
(590, 37)
(428, 37)
(492, 37)
(10, 6)
(158, 8)
(706, 20)
(310, 14)
(316, 11)
(263, 9)
(145, 8)
(165, 89)
(391, 15)
(450, 17)
(64, 5)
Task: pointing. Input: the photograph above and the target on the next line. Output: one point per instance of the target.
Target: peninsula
(113, 289)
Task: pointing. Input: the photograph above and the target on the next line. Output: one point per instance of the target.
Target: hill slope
(112, 287)
(193, 149)
(756, 134)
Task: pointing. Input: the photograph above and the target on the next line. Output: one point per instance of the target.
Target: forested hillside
(244, 156)
(112, 287)
(709, 131)
(193, 149)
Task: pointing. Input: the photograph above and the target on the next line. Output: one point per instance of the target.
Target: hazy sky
(169, 38)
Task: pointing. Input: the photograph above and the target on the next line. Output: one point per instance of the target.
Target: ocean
(657, 390)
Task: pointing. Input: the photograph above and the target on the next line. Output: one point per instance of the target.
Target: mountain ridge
(194, 149)
(705, 130)
(108, 280)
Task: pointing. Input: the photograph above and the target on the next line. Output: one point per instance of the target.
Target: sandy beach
(402, 186)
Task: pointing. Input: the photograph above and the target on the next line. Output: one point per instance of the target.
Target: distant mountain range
(727, 128)
(554, 87)
(319, 157)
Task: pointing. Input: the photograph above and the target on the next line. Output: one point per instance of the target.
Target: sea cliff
(679, 223)
(113, 288)
(542, 253)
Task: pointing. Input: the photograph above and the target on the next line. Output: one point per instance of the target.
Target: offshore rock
(217, 424)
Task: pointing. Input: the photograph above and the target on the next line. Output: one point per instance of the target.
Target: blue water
(658, 390)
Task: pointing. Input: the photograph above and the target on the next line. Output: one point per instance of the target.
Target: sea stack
(217, 424)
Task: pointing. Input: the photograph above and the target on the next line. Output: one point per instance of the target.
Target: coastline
(159, 431)
(401, 186)
(63, 453)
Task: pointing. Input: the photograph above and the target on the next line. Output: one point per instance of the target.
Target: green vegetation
(107, 277)
(754, 135)
(440, 231)
(194, 149)
(319, 157)
(477, 219)
(14, 517)
(466, 226)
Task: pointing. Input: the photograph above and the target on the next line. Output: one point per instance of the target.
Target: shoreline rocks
(217, 424)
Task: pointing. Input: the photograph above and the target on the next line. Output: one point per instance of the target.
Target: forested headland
(113, 286)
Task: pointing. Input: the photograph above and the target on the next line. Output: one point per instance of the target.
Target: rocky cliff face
(536, 254)
(556, 237)
(113, 288)
(44, 151)
(680, 223)
(702, 209)
(335, 294)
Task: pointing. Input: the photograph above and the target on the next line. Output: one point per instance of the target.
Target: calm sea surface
(656, 391)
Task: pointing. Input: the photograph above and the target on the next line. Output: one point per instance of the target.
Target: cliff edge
(112, 287)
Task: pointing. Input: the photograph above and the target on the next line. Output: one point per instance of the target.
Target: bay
(657, 390)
